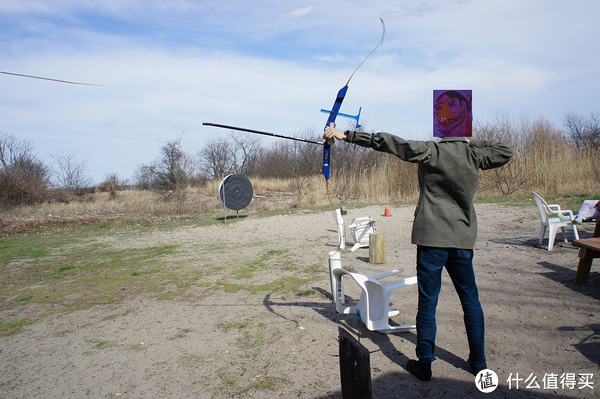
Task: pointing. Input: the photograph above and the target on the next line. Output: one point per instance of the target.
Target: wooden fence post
(376, 248)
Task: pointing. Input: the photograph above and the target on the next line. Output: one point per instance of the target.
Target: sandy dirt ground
(283, 343)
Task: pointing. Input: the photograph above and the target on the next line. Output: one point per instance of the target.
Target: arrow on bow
(243, 129)
(336, 108)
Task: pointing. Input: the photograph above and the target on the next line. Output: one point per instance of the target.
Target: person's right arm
(491, 154)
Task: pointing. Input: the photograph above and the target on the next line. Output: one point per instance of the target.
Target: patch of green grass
(228, 377)
(29, 247)
(103, 344)
(139, 347)
(181, 334)
(22, 298)
(77, 269)
(286, 283)
(13, 326)
(189, 361)
(315, 268)
(269, 383)
(170, 295)
(234, 325)
(134, 274)
(240, 381)
(72, 266)
(271, 258)
(108, 258)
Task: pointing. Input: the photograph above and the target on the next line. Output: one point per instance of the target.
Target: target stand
(235, 193)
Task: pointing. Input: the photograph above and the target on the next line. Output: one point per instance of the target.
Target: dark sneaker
(419, 369)
(475, 371)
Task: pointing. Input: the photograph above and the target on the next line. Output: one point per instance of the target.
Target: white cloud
(300, 12)
(418, 10)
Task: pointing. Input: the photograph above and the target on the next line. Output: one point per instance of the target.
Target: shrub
(24, 180)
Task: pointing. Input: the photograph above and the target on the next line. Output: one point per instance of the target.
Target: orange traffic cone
(387, 211)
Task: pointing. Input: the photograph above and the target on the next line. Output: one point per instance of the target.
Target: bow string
(336, 108)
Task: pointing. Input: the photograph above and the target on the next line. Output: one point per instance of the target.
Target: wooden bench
(589, 248)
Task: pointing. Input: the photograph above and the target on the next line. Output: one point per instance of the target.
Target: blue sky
(272, 65)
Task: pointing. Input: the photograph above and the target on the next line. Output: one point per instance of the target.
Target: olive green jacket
(448, 175)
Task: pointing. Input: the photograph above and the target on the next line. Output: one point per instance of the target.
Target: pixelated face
(452, 116)
(449, 109)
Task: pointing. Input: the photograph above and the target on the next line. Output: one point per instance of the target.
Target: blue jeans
(459, 263)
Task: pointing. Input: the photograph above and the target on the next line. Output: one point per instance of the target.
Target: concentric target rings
(235, 192)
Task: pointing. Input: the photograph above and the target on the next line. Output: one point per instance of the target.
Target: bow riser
(331, 122)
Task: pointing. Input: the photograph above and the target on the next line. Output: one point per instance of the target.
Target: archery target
(235, 192)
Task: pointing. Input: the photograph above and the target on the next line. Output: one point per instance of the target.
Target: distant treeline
(554, 160)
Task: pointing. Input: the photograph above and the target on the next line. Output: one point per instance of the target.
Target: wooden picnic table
(589, 248)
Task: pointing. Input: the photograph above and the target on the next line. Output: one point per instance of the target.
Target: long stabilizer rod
(242, 129)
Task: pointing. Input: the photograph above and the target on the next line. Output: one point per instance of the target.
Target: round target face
(235, 192)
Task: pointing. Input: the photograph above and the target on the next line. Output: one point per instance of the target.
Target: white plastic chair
(341, 229)
(553, 223)
(374, 299)
(360, 229)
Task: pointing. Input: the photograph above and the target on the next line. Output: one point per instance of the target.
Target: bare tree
(347, 161)
(515, 175)
(143, 177)
(23, 178)
(170, 174)
(246, 152)
(584, 131)
(70, 173)
(273, 162)
(302, 161)
(240, 153)
(216, 157)
(173, 172)
(111, 184)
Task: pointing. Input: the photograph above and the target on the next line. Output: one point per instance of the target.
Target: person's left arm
(491, 154)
